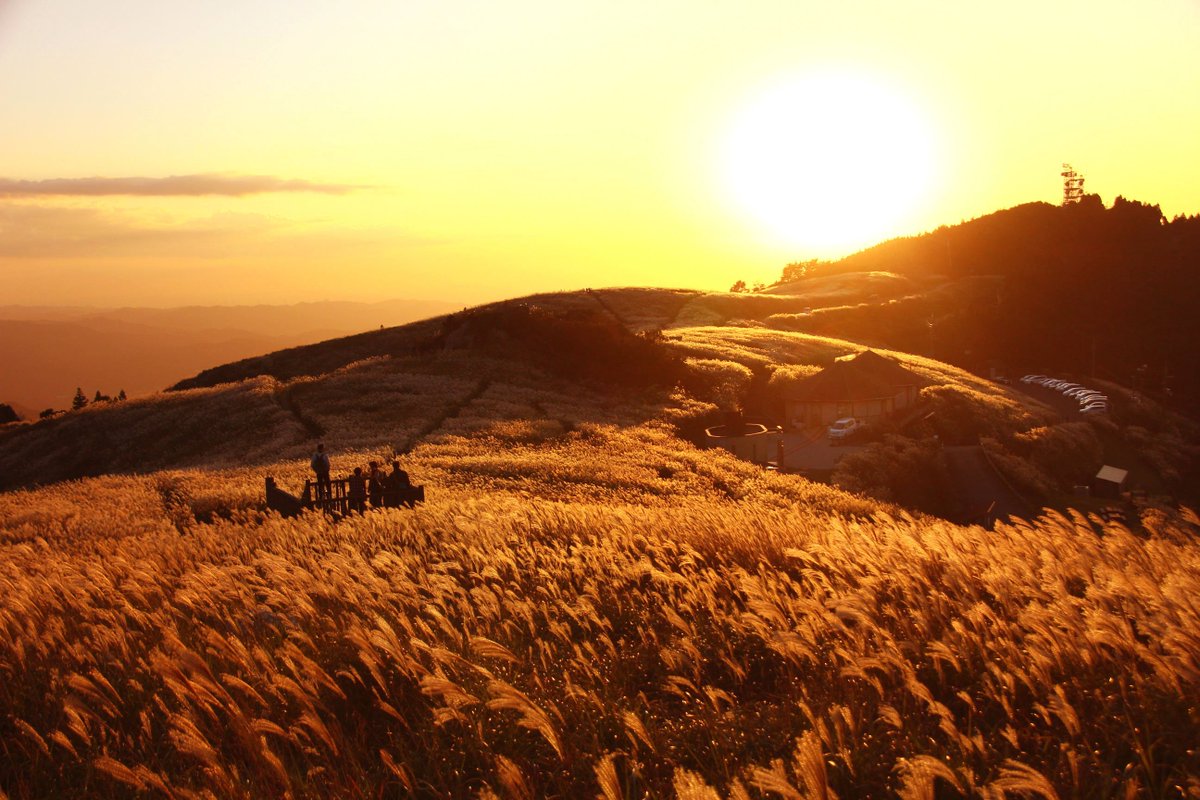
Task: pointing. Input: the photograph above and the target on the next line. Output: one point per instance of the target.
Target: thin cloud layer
(34, 231)
(170, 186)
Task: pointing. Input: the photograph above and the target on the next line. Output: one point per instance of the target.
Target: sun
(829, 161)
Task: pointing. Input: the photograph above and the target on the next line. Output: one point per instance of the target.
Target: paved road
(812, 450)
(984, 494)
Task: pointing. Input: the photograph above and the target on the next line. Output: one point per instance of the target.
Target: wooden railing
(334, 498)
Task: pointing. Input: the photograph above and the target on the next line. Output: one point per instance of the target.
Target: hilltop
(46, 352)
(634, 354)
(1104, 292)
(590, 602)
(587, 604)
(683, 357)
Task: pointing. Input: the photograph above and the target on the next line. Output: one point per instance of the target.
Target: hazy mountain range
(48, 351)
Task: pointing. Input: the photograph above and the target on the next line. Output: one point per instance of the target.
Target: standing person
(357, 491)
(375, 481)
(320, 466)
(398, 486)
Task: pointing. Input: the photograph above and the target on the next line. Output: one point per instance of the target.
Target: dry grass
(757, 347)
(224, 425)
(586, 606)
(493, 643)
(851, 287)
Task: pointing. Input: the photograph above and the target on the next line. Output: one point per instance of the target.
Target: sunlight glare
(829, 160)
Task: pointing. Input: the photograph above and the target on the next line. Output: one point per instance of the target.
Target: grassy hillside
(587, 605)
(388, 391)
(46, 352)
(675, 624)
(1081, 288)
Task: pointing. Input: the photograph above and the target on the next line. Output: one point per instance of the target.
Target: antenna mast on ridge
(1072, 185)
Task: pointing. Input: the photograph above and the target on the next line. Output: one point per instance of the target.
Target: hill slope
(586, 605)
(46, 352)
(1081, 289)
(390, 390)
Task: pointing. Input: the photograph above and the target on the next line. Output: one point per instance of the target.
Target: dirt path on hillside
(452, 410)
(607, 308)
(287, 401)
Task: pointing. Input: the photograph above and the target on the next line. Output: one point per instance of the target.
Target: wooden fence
(334, 498)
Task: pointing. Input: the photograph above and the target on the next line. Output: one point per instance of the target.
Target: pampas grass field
(586, 606)
(497, 643)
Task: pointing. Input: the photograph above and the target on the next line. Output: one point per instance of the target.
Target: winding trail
(607, 308)
(451, 411)
(286, 399)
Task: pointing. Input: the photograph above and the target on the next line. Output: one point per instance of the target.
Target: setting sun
(829, 160)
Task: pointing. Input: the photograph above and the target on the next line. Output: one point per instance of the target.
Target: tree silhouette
(1079, 289)
(798, 269)
(80, 400)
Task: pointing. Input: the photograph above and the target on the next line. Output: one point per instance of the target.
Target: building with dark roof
(867, 386)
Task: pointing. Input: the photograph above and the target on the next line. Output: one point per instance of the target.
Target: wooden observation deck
(334, 498)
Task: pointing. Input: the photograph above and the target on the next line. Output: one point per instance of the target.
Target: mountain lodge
(867, 386)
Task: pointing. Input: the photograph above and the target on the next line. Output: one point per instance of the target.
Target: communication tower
(1072, 185)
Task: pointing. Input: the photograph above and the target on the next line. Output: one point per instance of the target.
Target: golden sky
(163, 153)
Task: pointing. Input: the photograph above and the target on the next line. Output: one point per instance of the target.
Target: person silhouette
(357, 491)
(320, 467)
(375, 484)
(397, 487)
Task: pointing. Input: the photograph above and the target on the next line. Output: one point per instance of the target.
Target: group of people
(379, 488)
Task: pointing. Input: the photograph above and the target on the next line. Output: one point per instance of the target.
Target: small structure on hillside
(866, 386)
(750, 441)
(1109, 481)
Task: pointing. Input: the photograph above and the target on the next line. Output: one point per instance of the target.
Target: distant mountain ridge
(46, 352)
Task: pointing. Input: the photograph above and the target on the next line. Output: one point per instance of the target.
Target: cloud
(171, 186)
(30, 231)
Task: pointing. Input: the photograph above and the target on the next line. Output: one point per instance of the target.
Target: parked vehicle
(844, 428)
(1033, 378)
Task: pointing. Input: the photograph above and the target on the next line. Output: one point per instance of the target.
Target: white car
(1033, 378)
(844, 427)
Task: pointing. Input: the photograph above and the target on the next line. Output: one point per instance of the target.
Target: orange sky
(266, 151)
